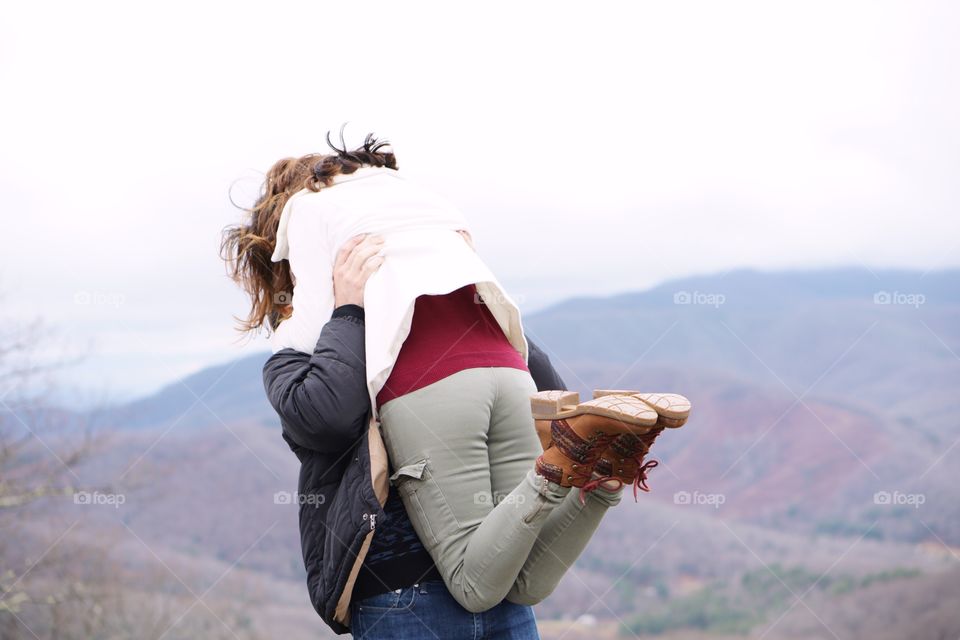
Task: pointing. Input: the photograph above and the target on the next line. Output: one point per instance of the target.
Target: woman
(491, 506)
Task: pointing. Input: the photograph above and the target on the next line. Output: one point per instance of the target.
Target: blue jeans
(427, 610)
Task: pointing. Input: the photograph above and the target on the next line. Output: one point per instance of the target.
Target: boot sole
(552, 405)
(673, 408)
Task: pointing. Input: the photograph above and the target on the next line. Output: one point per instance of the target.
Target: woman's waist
(417, 369)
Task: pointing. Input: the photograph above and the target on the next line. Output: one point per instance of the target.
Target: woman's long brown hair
(247, 247)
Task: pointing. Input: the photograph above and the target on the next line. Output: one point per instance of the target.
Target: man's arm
(541, 369)
(322, 397)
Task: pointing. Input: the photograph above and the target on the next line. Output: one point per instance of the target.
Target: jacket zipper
(373, 521)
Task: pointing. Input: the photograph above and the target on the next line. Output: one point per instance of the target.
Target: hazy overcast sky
(596, 148)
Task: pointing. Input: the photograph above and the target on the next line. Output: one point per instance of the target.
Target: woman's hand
(356, 261)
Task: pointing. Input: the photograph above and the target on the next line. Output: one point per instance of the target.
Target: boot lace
(644, 442)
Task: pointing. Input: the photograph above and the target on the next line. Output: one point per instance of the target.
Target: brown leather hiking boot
(580, 432)
(622, 462)
(545, 404)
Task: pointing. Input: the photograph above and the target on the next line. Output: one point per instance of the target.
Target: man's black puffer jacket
(325, 415)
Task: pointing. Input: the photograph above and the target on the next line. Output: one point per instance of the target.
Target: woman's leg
(513, 447)
(562, 539)
(437, 440)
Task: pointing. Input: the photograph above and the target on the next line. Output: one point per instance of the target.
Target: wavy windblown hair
(247, 247)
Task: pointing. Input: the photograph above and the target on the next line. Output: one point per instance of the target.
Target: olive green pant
(462, 452)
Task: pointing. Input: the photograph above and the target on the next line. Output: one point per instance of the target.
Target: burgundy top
(448, 333)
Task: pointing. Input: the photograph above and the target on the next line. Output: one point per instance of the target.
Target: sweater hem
(450, 365)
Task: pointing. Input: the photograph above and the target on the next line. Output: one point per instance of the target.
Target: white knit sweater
(423, 254)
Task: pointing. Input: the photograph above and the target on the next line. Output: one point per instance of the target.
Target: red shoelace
(640, 477)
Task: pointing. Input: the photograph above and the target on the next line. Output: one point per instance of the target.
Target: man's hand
(356, 261)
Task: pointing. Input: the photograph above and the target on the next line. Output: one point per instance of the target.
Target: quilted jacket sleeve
(541, 369)
(322, 398)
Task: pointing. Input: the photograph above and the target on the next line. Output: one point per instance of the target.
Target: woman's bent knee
(523, 594)
(474, 601)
